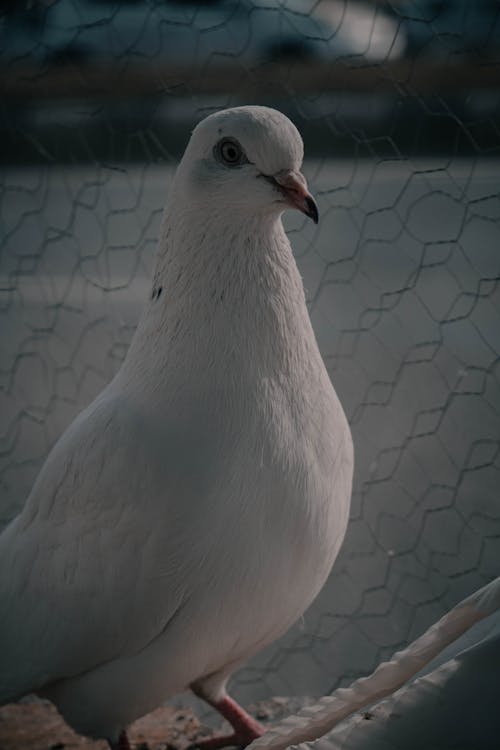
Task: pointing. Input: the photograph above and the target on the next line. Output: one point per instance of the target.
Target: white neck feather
(237, 305)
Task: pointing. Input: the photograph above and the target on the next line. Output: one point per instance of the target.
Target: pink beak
(293, 186)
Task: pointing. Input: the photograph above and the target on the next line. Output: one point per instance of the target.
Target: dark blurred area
(102, 80)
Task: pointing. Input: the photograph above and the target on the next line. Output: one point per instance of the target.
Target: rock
(38, 726)
(34, 724)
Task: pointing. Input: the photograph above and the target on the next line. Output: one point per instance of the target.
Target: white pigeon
(192, 512)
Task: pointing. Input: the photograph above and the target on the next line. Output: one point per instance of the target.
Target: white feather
(193, 511)
(433, 711)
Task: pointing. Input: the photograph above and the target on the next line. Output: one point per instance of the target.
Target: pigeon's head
(245, 162)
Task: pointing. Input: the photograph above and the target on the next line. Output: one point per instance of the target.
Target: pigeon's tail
(315, 721)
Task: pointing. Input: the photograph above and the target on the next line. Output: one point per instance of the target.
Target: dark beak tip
(312, 209)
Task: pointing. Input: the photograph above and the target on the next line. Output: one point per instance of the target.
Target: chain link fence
(402, 134)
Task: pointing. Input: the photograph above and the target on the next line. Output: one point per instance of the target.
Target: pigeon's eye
(229, 152)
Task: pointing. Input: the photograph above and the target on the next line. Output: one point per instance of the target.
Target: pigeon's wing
(95, 565)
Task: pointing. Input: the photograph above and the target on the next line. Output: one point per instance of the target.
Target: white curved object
(316, 721)
(452, 707)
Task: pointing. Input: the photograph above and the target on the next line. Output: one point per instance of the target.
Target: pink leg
(246, 728)
(122, 744)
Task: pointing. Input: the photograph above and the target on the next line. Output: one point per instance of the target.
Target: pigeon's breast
(306, 481)
(278, 519)
(250, 470)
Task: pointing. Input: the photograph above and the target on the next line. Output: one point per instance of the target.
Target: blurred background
(399, 107)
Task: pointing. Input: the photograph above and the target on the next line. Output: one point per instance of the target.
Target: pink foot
(122, 744)
(246, 728)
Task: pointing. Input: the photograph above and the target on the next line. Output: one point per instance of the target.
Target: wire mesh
(402, 274)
